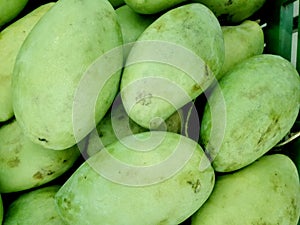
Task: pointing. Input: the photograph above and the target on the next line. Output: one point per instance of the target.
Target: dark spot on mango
(196, 185)
(38, 175)
(43, 140)
(13, 162)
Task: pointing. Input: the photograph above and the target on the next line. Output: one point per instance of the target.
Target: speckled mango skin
(26, 165)
(233, 11)
(34, 207)
(187, 53)
(51, 63)
(261, 97)
(265, 192)
(10, 10)
(151, 7)
(11, 40)
(89, 198)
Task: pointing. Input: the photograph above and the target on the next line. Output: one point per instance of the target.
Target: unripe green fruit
(250, 110)
(12, 38)
(265, 192)
(149, 178)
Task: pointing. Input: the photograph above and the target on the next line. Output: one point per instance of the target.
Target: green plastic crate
(281, 26)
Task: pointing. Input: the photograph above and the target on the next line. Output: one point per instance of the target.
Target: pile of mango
(143, 112)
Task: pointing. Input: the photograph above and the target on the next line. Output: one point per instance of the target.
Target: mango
(149, 178)
(34, 207)
(26, 165)
(241, 42)
(132, 25)
(173, 61)
(12, 38)
(10, 10)
(60, 90)
(265, 192)
(152, 7)
(233, 11)
(251, 109)
(116, 124)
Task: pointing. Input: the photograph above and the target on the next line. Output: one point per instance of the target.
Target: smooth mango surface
(250, 110)
(173, 61)
(265, 192)
(34, 207)
(149, 178)
(54, 104)
(12, 38)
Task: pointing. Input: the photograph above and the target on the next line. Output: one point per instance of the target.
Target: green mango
(149, 178)
(250, 110)
(241, 42)
(265, 192)
(152, 7)
(34, 207)
(132, 25)
(173, 61)
(233, 11)
(67, 72)
(26, 165)
(10, 9)
(11, 40)
(116, 124)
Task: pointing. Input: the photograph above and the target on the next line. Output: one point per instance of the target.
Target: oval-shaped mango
(251, 109)
(173, 61)
(233, 11)
(54, 104)
(241, 42)
(12, 38)
(265, 192)
(25, 165)
(34, 207)
(149, 178)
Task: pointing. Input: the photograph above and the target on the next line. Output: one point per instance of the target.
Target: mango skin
(265, 192)
(34, 207)
(187, 53)
(152, 7)
(29, 164)
(261, 97)
(233, 11)
(50, 65)
(87, 197)
(10, 9)
(12, 38)
(241, 42)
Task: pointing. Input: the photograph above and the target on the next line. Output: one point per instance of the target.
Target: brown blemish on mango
(13, 162)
